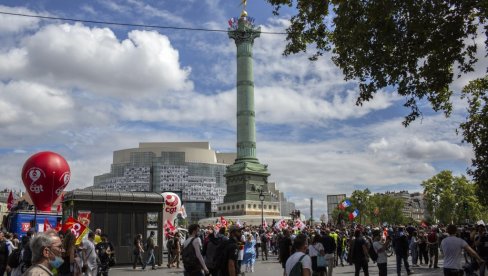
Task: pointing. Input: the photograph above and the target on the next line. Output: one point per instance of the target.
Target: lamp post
(261, 197)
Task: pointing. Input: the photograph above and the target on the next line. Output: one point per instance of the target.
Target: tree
(412, 46)
(360, 200)
(451, 199)
(475, 131)
(389, 209)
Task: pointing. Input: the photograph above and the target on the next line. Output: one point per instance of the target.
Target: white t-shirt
(293, 259)
(314, 249)
(452, 248)
(382, 258)
(89, 248)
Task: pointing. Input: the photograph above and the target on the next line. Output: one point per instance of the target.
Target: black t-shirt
(285, 245)
(358, 252)
(101, 248)
(231, 252)
(329, 244)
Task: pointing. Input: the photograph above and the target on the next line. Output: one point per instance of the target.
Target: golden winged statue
(244, 5)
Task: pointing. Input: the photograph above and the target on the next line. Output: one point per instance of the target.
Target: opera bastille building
(191, 169)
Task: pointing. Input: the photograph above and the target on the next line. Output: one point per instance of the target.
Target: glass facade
(144, 171)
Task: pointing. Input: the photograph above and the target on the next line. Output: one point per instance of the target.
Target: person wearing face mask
(47, 250)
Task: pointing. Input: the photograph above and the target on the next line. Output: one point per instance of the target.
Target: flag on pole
(47, 225)
(354, 214)
(343, 205)
(183, 211)
(10, 200)
(299, 225)
(265, 223)
(238, 223)
(277, 225)
(76, 227)
(58, 227)
(223, 221)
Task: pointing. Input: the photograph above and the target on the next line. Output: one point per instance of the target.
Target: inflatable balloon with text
(45, 175)
(172, 205)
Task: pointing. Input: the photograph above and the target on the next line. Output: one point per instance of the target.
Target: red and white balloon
(45, 175)
(172, 205)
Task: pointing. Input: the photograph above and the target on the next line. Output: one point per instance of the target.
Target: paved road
(272, 267)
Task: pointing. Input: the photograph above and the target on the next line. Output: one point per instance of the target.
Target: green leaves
(475, 132)
(412, 46)
(451, 199)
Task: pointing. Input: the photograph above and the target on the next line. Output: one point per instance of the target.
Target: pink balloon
(45, 175)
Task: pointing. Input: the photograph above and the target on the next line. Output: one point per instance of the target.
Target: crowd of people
(314, 250)
(55, 253)
(318, 250)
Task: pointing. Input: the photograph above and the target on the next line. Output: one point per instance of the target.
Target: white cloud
(11, 24)
(145, 64)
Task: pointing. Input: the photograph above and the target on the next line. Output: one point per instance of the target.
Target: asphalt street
(272, 267)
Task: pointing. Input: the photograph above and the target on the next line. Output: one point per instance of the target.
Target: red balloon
(45, 175)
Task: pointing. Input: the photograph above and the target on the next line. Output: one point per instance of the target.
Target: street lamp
(261, 197)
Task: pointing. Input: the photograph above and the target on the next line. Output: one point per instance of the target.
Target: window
(220, 208)
(237, 206)
(248, 206)
(242, 206)
(233, 207)
(254, 206)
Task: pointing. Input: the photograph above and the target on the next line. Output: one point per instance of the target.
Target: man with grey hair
(47, 249)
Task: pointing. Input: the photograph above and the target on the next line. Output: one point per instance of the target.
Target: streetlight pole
(261, 198)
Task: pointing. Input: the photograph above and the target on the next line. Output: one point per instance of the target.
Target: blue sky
(85, 90)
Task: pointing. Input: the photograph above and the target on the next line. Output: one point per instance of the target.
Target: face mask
(57, 262)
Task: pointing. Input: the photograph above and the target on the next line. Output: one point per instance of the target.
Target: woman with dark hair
(138, 251)
(68, 267)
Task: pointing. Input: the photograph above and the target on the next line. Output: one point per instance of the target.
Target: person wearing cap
(452, 247)
(231, 252)
(481, 244)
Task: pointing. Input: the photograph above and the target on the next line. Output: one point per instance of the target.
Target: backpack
(14, 258)
(297, 268)
(189, 257)
(222, 258)
(372, 253)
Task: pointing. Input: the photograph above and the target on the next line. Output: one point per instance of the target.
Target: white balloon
(171, 207)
